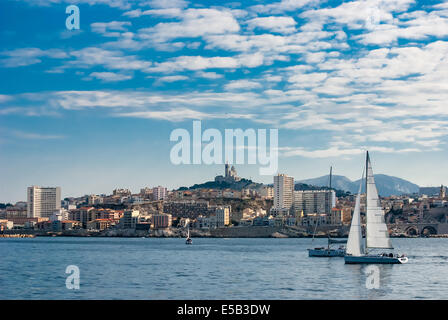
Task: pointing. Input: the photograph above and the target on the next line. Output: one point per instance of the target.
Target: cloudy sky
(92, 109)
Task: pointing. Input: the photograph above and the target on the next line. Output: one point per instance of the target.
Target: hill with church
(230, 180)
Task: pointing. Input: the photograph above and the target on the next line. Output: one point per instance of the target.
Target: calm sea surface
(155, 268)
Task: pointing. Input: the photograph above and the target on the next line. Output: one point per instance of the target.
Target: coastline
(235, 232)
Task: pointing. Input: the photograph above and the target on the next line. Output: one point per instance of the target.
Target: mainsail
(377, 234)
(355, 244)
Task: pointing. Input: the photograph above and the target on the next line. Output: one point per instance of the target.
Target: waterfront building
(14, 212)
(283, 193)
(346, 214)
(60, 214)
(314, 201)
(43, 201)
(315, 218)
(6, 225)
(162, 221)
(206, 222)
(222, 216)
(108, 214)
(263, 221)
(82, 215)
(100, 224)
(336, 216)
(70, 225)
(129, 219)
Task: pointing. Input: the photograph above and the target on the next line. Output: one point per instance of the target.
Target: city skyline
(161, 191)
(91, 110)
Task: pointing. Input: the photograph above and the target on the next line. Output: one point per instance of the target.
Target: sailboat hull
(374, 259)
(319, 252)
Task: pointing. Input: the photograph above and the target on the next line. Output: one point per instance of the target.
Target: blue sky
(92, 109)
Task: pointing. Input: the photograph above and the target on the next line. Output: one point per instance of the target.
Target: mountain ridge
(386, 185)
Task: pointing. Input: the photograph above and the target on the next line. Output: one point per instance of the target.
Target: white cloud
(172, 78)
(194, 23)
(110, 29)
(343, 72)
(242, 84)
(200, 63)
(4, 98)
(110, 76)
(169, 12)
(28, 56)
(165, 3)
(282, 6)
(122, 4)
(336, 152)
(176, 115)
(273, 23)
(209, 75)
(33, 136)
(110, 59)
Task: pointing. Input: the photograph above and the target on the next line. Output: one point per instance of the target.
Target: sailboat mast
(367, 172)
(331, 175)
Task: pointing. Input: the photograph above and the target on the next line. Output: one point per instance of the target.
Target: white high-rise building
(43, 201)
(159, 193)
(283, 192)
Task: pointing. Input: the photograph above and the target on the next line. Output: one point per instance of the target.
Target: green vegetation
(243, 183)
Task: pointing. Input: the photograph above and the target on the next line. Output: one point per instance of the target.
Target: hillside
(243, 183)
(387, 185)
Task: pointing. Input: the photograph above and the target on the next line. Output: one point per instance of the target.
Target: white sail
(355, 245)
(377, 234)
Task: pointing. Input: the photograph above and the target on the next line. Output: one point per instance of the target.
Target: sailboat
(377, 235)
(188, 240)
(328, 251)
